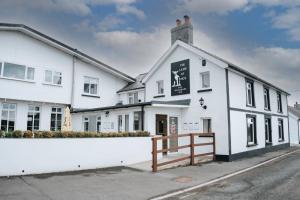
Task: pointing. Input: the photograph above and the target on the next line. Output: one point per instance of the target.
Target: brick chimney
(183, 32)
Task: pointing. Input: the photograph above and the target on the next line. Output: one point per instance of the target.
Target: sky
(261, 36)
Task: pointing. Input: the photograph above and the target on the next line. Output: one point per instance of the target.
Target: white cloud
(110, 22)
(129, 9)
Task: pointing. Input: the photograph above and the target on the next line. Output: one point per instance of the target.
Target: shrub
(47, 134)
(28, 134)
(17, 134)
(2, 134)
(8, 134)
(38, 134)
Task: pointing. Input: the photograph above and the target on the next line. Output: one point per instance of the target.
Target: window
(56, 118)
(279, 102)
(98, 124)
(8, 117)
(206, 125)
(268, 130)
(119, 123)
(251, 130)
(21, 72)
(33, 118)
(280, 130)
(266, 99)
(250, 93)
(160, 87)
(205, 79)
(53, 77)
(0, 68)
(86, 121)
(90, 86)
(137, 122)
(133, 98)
(126, 123)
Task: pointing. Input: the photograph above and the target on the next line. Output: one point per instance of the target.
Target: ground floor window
(86, 122)
(98, 124)
(56, 119)
(206, 125)
(8, 117)
(251, 130)
(126, 123)
(33, 118)
(268, 130)
(120, 123)
(280, 130)
(137, 122)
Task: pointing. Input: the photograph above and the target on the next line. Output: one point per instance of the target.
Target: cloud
(129, 9)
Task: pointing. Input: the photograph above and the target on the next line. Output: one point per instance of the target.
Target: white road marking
(221, 178)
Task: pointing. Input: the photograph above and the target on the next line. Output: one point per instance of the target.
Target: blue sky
(262, 36)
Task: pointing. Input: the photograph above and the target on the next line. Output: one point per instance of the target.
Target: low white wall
(36, 156)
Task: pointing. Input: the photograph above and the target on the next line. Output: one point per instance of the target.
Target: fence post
(214, 147)
(154, 154)
(192, 149)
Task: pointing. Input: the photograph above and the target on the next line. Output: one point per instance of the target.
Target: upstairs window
(279, 102)
(91, 86)
(160, 87)
(250, 93)
(205, 79)
(133, 98)
(266, 99)
(15, 71)
(53, 77)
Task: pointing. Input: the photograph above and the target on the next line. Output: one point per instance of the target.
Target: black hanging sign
(180, 77)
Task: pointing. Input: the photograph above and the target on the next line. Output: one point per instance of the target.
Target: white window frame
(98, 120)
(280, 129)
(279, 102)
(86, 119)
(140, 120)
(2, 66)
(120, 123)
(33, 118)
(91, 80)
(268, 130)
(134, 96)
(53, 74)
(160, 87)
(56, 113)
(250, 100)
(267, 105)
(8, 116)
(254, 130)
(203, 120)
(202, 84)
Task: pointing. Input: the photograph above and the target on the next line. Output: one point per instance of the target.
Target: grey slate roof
(134, 86)
(295, 111)
(22, 26)
(241, 70)
(184, 102)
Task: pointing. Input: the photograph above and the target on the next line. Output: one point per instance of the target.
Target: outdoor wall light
(201, 100)
(106, 113)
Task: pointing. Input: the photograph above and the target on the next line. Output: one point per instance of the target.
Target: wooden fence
(192, 146)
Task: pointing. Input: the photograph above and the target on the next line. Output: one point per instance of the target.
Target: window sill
(280, 112)
(250, 106)
(204, 90)
(159, 96)
(15, 79)
(51, 84)
(251, 145)
(89, 95)
(267, 109)
(280, 141)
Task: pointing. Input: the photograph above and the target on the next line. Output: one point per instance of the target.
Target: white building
(294, 124)
(187, 90)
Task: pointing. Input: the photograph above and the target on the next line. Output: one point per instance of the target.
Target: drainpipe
(73, 81)
(298, 121)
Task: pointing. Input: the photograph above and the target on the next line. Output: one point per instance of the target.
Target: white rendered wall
(36, 156)
(216, 100)
(294, 128)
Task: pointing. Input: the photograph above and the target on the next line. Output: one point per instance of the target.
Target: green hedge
(70, 134)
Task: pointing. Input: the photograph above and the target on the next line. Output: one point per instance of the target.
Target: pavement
(129, 183)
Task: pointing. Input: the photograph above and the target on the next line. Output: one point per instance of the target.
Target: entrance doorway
(162, 129)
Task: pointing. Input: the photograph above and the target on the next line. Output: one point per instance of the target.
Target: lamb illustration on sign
(177, 79)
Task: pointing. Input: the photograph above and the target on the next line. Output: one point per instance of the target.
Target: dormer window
(160, 87)
(133, 98)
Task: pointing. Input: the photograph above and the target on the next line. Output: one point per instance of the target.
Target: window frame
(56, 114)
(254, 133)
(26, 79)
(85, 119)
(209, 127)
(8, 115)
(33, 118)
(98, 120)
(280, 124)
(251, 82)
(134, 96)
(202, 74)
(160, 87)
(270, 140)
(53, 74)
(89, 78)
(267, 106)
(279, 102)
(139, 120)
(120, 123)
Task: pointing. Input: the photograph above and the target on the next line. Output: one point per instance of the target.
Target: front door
(161, 129)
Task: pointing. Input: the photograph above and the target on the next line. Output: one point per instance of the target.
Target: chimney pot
(178, 22)
(183, 32)
(187, 19)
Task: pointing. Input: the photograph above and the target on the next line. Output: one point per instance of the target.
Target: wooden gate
(191, 146)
